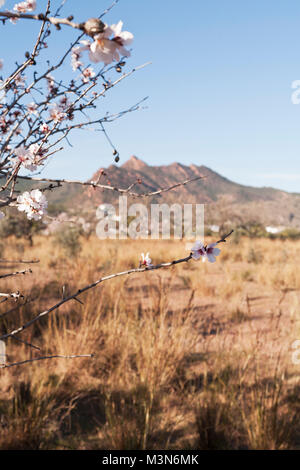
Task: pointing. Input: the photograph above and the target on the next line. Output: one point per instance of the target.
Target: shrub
(16, 224)
(68, 239)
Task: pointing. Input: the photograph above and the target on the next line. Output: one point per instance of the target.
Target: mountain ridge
(221, 196)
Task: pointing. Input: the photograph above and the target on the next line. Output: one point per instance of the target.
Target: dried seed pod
(93, 26)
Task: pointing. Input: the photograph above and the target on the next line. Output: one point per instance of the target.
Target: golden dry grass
(198, 356)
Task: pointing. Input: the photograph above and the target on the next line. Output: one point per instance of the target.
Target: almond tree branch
(42, 358)
(223, 239)
(30, 60)
(11, 295)
(92, 285)
(57, 22)
(15, 261)
(27, 301)
(25, 271)
(108, 187)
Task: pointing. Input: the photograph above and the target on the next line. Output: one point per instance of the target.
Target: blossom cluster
(29, 157)
(106, 46)
(25, 6)
(59, 112)
(33, 203)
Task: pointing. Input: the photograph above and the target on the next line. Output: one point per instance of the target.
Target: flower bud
(93, 26)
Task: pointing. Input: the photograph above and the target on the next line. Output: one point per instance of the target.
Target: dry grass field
(197, 356)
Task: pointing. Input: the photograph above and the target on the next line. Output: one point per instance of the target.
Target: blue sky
(219, 87)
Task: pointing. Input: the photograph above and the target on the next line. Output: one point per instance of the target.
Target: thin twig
(11, 295)
(35, 49)
(17, 261)
(42, 358)
(25, 271)
(27, 301)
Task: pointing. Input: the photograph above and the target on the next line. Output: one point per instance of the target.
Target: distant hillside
(223, 198)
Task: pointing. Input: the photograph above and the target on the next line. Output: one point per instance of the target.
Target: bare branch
(27, 301)
(57, 22)
(42, 358)
(25, 271)
(12, 295)
(108, 187)
(223, 240)
(30, 60)
(19, 261)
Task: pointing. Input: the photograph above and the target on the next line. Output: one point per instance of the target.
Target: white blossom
(205, 252)
(44, 128)
(28, 157)
(212, 252)
(56, 113)
(75, 56)
(23, 7)
(122, 38)
(2, 215)
(106, 50)
(19, 80)
(32, 108)
(146, 261)
(33, 203)
(13, 19)
(31, 5)
(50, 82)
(87, 74)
